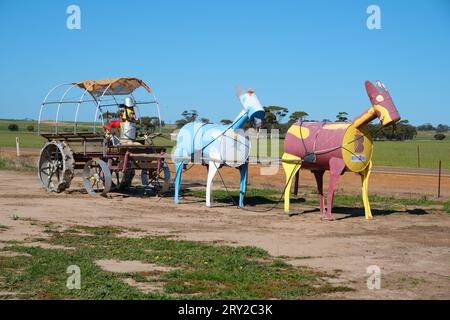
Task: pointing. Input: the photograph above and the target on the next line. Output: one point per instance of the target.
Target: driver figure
(128, 125)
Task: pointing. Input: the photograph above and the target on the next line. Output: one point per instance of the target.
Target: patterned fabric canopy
(114, 86)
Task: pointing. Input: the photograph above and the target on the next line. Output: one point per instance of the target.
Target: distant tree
(442, 128)
(326, 120)
(226, 121)
(204, 120)
(342, 116)
(13, 127)
(439, 136)
(400, 131)
(30, 128)
(279, 112)
(110, 115)
(149, 123)
(404, 131)
(297, 115)
(426, 127)
(188, 116)
(270, 120)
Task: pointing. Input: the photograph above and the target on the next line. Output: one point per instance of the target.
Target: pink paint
(325, 142)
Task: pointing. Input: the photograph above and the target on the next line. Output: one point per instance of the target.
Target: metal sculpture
(218, 145)
(117, 149)
(338, 147)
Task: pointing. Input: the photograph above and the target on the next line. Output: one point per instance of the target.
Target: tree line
(276, 117)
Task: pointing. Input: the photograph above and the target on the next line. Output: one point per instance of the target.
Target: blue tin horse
(218, 145)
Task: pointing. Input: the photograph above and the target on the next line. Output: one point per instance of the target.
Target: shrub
(30, 128)
(439, 136)
(442, 128)
(13, 127)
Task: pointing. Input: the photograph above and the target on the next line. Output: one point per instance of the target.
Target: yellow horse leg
(291, 164)
(365, 190)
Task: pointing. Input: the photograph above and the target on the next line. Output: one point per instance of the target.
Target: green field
(33, 140)
(404, 153)
(386, 153)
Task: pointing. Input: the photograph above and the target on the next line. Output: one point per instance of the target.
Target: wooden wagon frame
(93, 151)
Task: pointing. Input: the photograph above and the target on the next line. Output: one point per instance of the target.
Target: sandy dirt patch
(411, 246)
(130, 266)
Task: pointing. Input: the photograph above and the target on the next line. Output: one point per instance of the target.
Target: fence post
(418, 156)
(17, 146)
(439, 179)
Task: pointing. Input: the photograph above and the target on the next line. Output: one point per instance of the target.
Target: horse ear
(239, 91)
(372, 91)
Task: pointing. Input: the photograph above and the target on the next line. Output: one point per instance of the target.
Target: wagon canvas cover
(117, 86)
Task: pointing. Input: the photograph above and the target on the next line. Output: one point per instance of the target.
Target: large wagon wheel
(158, 181)
(56, 166)
(97, 177)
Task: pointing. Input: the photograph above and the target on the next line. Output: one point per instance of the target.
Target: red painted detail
(359, 143)
(373, 92)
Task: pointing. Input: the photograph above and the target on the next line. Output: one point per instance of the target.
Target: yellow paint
(336, 126)
(385, 117)
(364, 117)
(290, 169)
(365, 190)
(128, 113)
(357, 161)
(299, 132)
(380, 98)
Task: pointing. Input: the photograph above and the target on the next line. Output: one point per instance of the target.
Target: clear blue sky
(304, 55)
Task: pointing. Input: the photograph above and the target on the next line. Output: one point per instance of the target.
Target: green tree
(270, 119)
(204, 120)
(399, 131)
(439, 136)
(442, 128)
(342, 116)
(279, 112)
(188, 116)
(110, 115)
(426, 127)
(297, 115)
(149, 123)
(13, 127)
(226, 121)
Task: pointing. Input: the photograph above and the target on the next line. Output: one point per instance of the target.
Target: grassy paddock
(197, 270)
(403, 153)
(30, 139)
(386, 153)
(23, 163)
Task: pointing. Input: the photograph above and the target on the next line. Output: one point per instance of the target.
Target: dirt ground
(412, 246)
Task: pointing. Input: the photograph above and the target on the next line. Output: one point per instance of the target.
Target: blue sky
(305, 55)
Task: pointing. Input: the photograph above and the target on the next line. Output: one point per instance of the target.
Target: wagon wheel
(158, 181)
(56, 166)
(97, 177)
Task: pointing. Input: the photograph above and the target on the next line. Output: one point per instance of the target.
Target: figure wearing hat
(128, 124)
